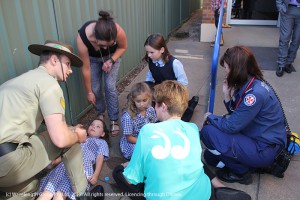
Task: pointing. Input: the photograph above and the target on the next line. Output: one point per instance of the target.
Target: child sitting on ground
(136, 114)
(167, 156)
(95, 150)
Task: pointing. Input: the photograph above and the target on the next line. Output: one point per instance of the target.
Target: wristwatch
(112, 60)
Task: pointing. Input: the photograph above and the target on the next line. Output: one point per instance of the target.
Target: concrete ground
(196, 57)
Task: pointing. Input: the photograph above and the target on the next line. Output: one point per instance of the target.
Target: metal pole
(215, 59)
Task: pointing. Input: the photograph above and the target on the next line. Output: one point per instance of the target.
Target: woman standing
(101, 43)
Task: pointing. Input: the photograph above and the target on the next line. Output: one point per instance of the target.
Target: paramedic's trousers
(241, 154)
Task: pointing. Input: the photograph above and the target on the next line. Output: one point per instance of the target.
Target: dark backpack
(283, 158)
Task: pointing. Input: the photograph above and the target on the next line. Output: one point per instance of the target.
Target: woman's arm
(86, 69)
(226, 91)
(121, 41)
(241, 117)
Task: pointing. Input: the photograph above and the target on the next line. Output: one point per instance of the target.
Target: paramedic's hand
(226, 91)
(205, 122)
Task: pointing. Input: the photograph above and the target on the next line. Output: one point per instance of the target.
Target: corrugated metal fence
(24, 22)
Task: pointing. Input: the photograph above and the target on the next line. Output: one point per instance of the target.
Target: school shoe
(193, 102)
(225, 193)
(188, 113)
(280, 71)
(226, 175)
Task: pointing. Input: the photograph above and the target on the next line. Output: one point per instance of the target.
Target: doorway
(252, 12)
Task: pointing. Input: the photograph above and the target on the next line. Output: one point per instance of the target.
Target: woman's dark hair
(105, 28)
(242, 64)
(157, 41)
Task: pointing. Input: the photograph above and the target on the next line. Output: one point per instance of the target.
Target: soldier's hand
(81, 133)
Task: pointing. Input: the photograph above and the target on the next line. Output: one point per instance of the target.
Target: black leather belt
(7, 147)
(294, 5)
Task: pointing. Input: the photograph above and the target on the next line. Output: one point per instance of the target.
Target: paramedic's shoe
(226, 175)
(225, 193)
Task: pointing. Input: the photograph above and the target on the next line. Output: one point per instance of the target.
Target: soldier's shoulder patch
(62, 103)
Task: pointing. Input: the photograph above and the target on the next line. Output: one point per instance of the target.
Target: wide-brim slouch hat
(59, 47)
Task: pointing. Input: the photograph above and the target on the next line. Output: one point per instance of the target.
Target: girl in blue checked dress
(137, 113)
(95, 150)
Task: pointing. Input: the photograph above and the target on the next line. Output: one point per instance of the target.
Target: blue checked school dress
(132, 127)
(58, 180)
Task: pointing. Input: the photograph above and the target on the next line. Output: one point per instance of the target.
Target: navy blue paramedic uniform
(250, 136)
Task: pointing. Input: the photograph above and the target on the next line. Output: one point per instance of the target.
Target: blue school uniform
(58, 180)
(132, 127)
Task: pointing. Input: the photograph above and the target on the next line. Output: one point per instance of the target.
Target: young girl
(173, 170)
(95, 150)
(163, 66)
(137, 113)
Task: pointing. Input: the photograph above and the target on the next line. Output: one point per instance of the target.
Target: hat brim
(37, 49)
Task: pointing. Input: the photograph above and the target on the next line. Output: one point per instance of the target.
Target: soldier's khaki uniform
(24, 101)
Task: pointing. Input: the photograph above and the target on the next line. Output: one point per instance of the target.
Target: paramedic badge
(249, 100)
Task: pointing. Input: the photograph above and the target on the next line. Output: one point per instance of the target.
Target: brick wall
(208, 13)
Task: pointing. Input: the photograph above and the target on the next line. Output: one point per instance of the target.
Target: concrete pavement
(196, 58)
